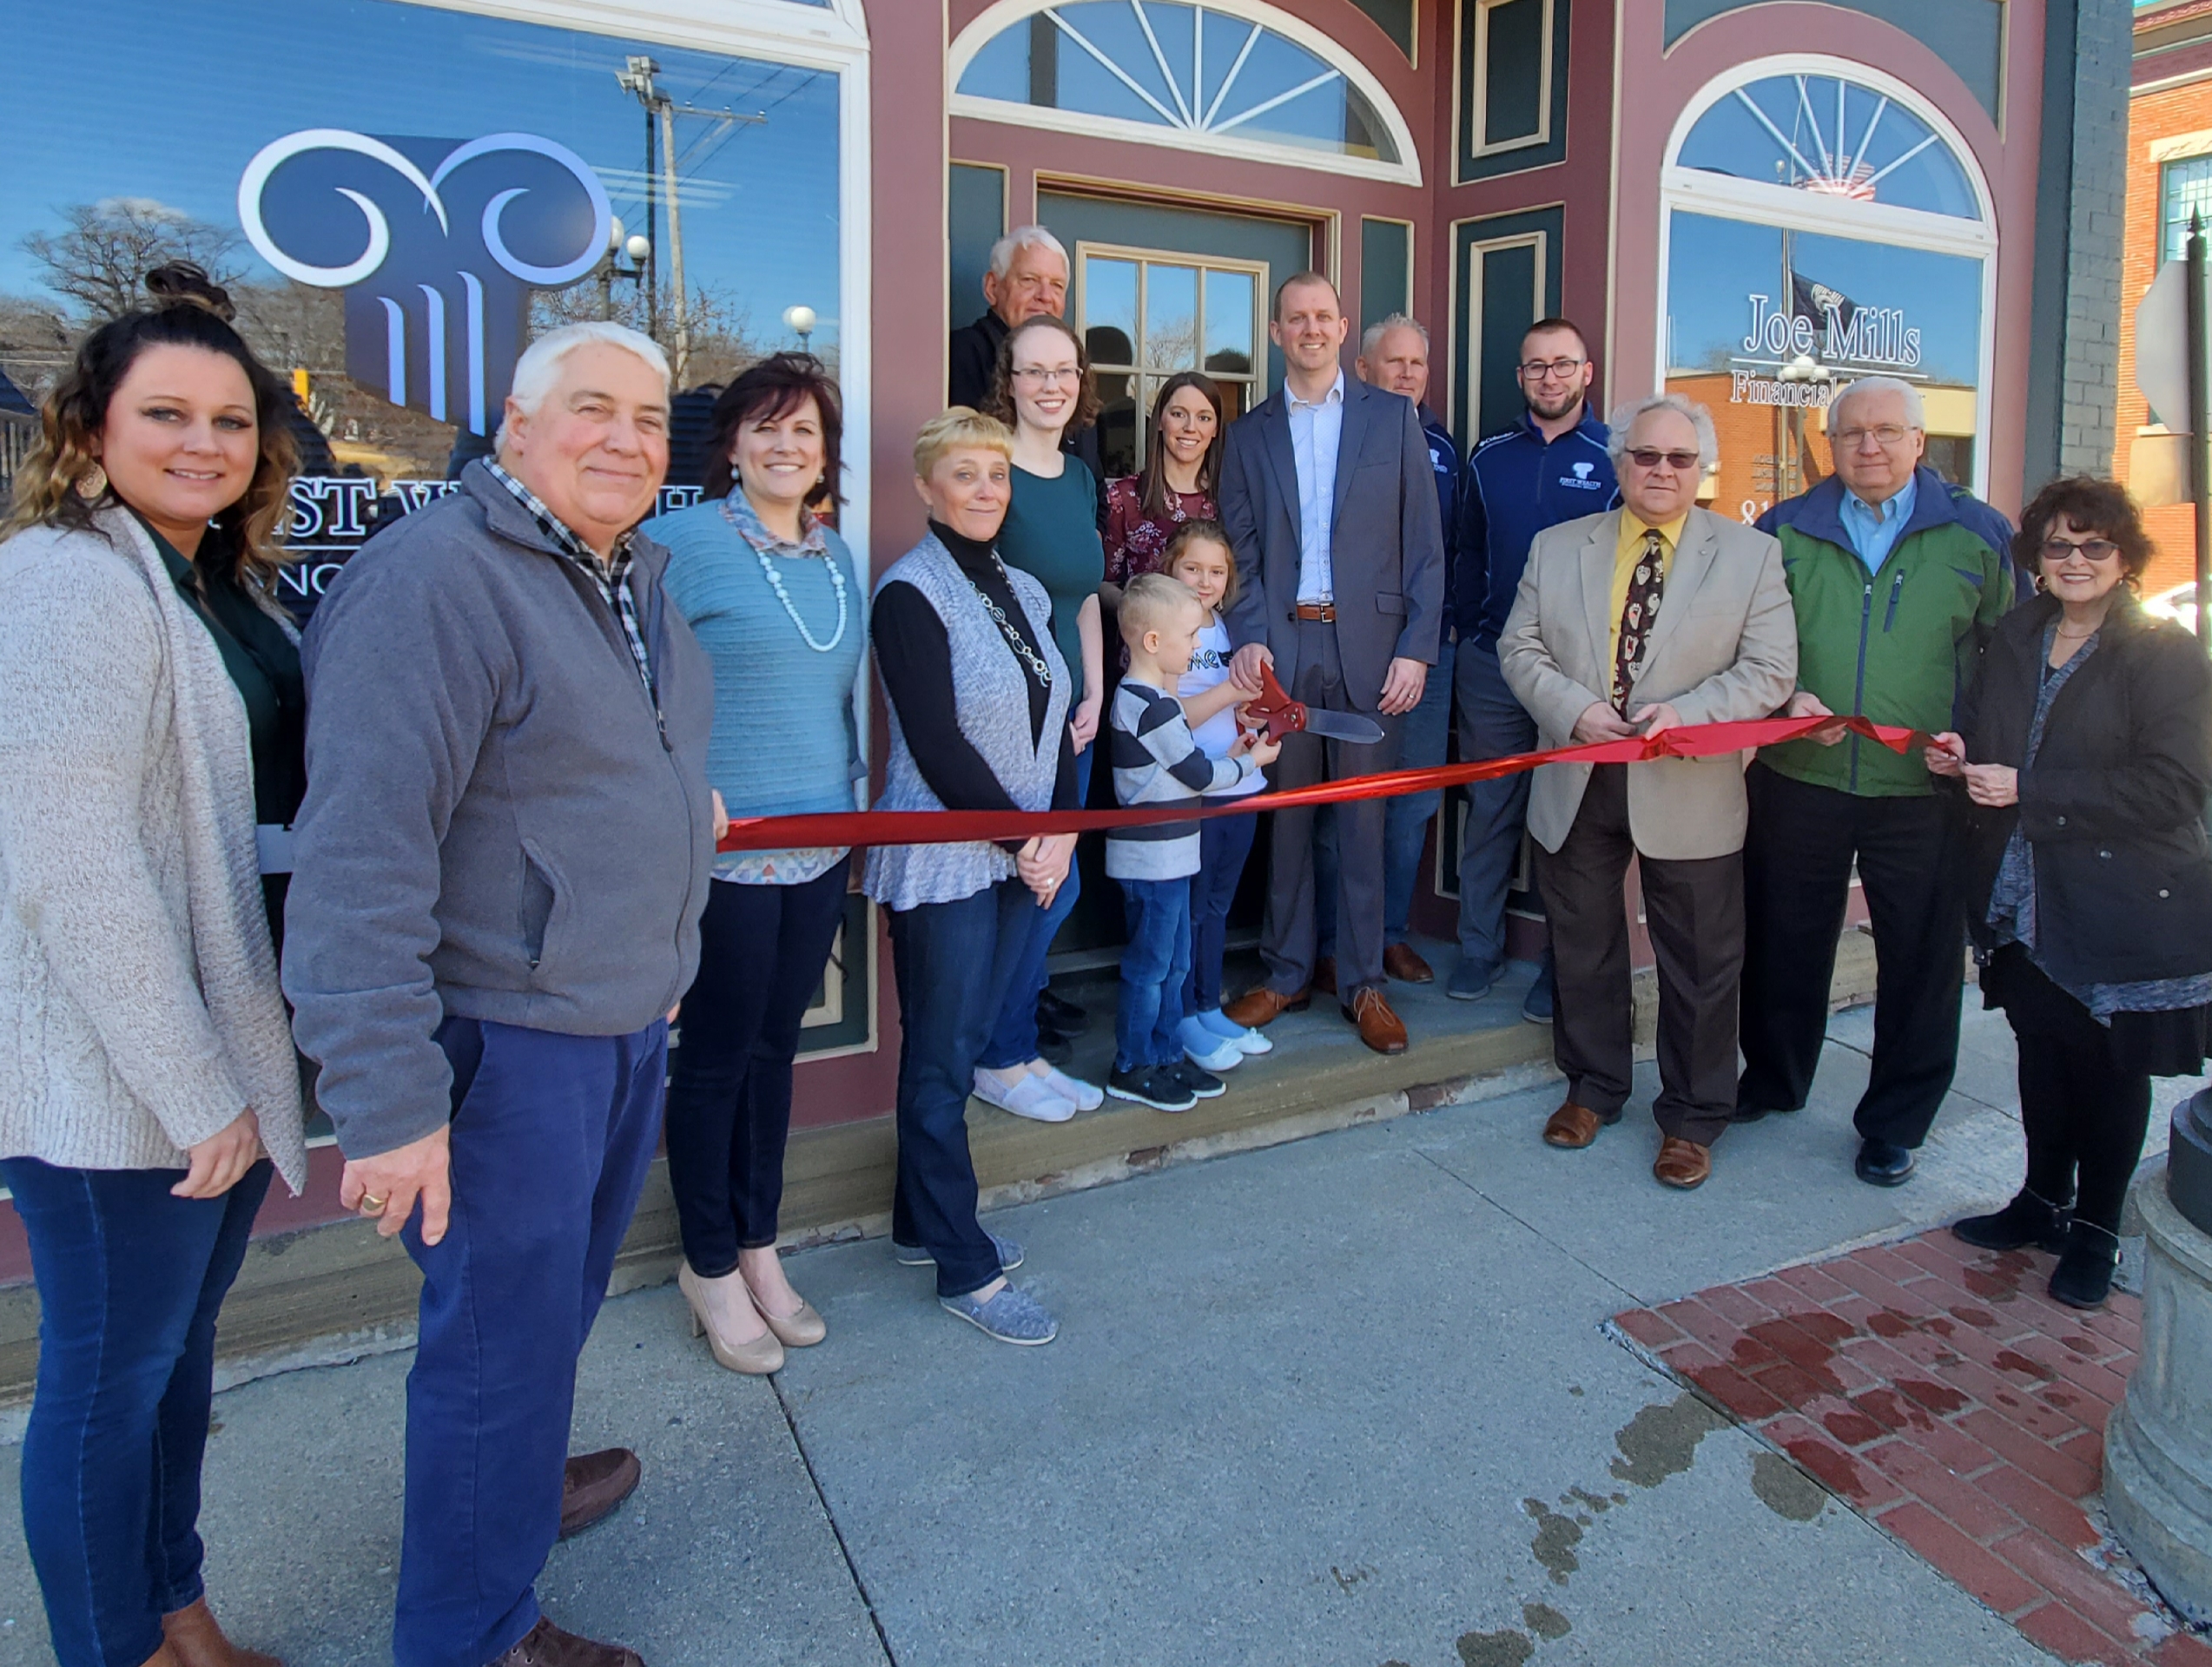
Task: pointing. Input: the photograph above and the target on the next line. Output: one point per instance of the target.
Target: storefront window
(1218, 72)
(1842, 238)
(400, 197)
(1146, 316)
(2185, 189)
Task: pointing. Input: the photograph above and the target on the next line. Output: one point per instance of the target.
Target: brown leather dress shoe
(546, 1645)
(1255, 1009)
(191, 1639)
(1576, 1126)
(1380, 1028)
(1681, 1163)
(1324, 976)
(594, 1483)
(1400, 962)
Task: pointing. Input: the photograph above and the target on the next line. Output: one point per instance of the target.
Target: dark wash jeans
(551, 1138)
(1014, 1033)
(129, 1280)
(1225, 846)
(1155, 963)
(762, 949)
(953, 962)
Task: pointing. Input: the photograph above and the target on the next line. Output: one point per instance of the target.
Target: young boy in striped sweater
(1155, 762)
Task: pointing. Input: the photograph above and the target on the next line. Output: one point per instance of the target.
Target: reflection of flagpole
(1784, 475)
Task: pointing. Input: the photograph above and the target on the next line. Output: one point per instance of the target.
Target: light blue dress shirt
(1316, 430)
(1874, 529)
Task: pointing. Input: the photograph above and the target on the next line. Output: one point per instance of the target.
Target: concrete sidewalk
(1341, 1401)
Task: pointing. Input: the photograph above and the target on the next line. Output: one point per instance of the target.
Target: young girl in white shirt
(1200, 556)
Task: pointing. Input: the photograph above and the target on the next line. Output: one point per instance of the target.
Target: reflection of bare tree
(719, 329)
(99, 264)
(1172, 344)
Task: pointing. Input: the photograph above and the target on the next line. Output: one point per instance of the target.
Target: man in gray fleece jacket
(501, 863)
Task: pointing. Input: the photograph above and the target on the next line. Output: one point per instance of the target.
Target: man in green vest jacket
(1897, 577)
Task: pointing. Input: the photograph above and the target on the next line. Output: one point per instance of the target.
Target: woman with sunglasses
(2085, 752)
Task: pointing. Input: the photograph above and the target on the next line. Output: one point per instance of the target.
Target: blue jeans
(953, 961)
(1422, 735)
(1492, 724)
(762, 949)
(551, 1138)
(129, 1280)
(1225, 843)
(1014, 1036)
(1155, 963)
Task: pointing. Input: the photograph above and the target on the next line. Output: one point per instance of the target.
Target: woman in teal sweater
(772, 594)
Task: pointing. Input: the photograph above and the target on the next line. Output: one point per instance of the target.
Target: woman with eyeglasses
(1043, 387)
(2085, 753)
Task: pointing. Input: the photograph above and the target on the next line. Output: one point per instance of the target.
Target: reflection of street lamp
(800, 321)
(1803, 368)
(638, 249)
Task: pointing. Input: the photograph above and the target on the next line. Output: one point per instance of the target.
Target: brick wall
(2153, 117)
(2104, 51)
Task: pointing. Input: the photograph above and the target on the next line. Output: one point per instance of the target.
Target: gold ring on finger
(373, 1206)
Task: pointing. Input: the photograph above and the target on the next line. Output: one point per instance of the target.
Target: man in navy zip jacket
(1550, 467)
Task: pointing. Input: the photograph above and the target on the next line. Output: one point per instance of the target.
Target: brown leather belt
(1324, 611)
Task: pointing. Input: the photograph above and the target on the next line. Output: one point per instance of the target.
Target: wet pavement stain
(1935, 1397)
(1545, 1622)
(1599, 1503)
(1557, 1539)
(1852, 1429)
(1662, 1441)
(2009, 1360)
(1785, 1489)
(1506, 1648)
(1834, 1471)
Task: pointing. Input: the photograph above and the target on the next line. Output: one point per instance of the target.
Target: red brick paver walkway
(1938, 1391)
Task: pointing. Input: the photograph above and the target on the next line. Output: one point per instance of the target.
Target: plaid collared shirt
(611, 576)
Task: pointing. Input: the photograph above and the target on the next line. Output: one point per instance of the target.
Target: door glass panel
(1231, 308)
(1171, 318)
(1110, 309)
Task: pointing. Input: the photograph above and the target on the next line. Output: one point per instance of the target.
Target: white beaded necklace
(775, 584)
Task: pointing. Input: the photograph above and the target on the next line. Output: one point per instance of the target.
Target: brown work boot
(191, 1639)
(1256, 1009)
(546, 1645)
(1576, 1126)
(594, 1483)
(1682, 1163)
(1380, 1028)
(1401, 963)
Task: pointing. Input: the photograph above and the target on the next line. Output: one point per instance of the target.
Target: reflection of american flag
(1859, 188)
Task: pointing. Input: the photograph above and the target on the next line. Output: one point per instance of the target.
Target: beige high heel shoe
(757, 1358)
(801, 1330)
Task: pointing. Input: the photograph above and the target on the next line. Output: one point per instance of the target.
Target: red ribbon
(961, 826)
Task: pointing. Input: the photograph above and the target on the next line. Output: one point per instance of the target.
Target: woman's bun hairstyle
(185, 283)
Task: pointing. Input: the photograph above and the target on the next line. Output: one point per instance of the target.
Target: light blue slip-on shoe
(1012, 1316)
(913, 1256)
(1204, 1049)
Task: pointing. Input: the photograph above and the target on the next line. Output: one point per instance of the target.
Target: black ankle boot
(2028, 1220)
(2084, 1276)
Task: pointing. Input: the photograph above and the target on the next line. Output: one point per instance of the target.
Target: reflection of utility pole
(662, 110)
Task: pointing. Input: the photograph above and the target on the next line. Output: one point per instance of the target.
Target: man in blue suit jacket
(1330, 503)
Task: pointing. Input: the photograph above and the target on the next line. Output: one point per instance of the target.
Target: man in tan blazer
(1654, 615)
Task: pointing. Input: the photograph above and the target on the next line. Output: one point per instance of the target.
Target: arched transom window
(1228, 76)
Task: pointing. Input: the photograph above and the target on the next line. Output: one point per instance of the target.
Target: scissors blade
(1343, 725)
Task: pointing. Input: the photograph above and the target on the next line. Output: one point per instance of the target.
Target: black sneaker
(1200, 1081)
(1151, 1085)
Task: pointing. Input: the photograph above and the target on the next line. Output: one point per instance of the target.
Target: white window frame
(1727, 198)
(1004, 14)
(1476, 17)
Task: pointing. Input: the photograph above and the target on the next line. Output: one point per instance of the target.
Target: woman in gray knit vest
(151, 716)
(978, 698)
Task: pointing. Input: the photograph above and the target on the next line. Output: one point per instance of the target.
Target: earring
(92, 485)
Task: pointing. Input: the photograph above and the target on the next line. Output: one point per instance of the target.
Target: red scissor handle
(1275, 713)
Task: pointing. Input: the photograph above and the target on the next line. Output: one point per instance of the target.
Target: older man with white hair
(1898, 577)
(1654, 615)
(1026, 279)
(501, 867)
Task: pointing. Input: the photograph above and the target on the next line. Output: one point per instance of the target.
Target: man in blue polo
(1550, 467)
